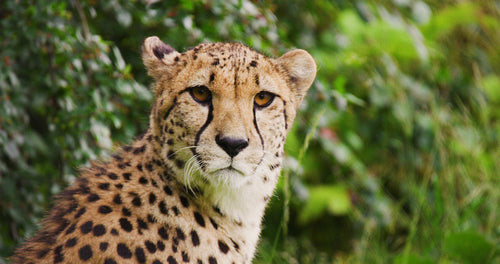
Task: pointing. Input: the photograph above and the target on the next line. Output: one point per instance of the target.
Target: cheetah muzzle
(193, 189)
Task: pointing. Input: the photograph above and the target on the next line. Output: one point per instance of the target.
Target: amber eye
(264, 99)
(201, 94)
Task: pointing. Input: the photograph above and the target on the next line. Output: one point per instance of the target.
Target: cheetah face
(223, 110)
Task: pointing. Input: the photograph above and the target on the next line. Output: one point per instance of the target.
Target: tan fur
(177, 195)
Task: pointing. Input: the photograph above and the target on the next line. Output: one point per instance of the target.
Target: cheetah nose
(232, 146)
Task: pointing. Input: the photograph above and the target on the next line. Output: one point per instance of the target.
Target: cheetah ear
(156, 56)
(300, 67)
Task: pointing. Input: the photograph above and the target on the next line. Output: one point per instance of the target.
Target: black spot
(104, 209)
(163, 233)
(117, 157)
(199, 261)
(160, 245)
(151, 219)
(176, 58)
(171, 260)
(139, 254)
(235, 245)
(179, 163)
(214, 224)
(163, 207)
(175, 210)
(86, 227)
(180, 234)
(109, 261)
(93, 197)
(42, 253)
(274, 166)
(85, 252)
(99, 230)
(139, 167)
(253, 63)
(141, 224)
(64, 223)
(171, 155)
(212, 77)
(58, 257)
(71, 242)
(112, 176)
(212, 260)
(215, 62)
(185, 256)
(114, 232)
(184, 201)
(143, 180)
(170, 142)
(217, 210)
(149, 167)
(136, 201)
(127, 175)
(71, 229)
(223, 247)
(139, 149)
(157, 262)
(195, 239)
(80, 212)
(117, 199)
(104, 186)
(123, 251)
(199, 219)
(257, 81)
(103, 246)
(150, 246)
(167, 190)
(126, 212)
(125, 224)
(152, 198)
(127, 148)
(119, 186)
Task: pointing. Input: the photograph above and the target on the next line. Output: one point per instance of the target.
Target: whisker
(181, 149)
(189, 171)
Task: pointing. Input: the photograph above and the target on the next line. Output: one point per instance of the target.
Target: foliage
(393, 157)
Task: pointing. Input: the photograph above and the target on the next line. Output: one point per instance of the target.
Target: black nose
(232, 146)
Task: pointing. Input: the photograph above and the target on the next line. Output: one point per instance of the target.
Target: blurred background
(394, 157)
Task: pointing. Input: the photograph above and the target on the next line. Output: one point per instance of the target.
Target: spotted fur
(193, 189)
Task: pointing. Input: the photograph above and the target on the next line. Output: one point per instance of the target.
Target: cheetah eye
(200, 94)
(263, 99)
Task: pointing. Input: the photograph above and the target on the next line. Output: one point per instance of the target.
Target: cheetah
(194, 187)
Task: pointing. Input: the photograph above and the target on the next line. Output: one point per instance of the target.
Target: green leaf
(491, 86)
(412, 258)
(469, 247)
(333, 199)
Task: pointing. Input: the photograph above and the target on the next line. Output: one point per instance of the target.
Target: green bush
(393, 157)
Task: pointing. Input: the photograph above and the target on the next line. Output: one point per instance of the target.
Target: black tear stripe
(210, 117)
(257, 127)
(284, 113)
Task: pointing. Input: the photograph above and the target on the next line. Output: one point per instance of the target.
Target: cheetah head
(222, 110)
